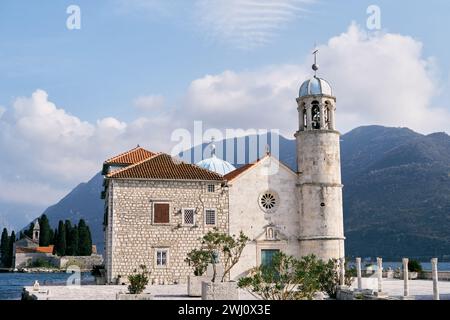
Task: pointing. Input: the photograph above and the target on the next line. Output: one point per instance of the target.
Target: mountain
(396, 192)
(83, 202)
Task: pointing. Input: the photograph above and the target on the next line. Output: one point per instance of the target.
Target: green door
(267, 257)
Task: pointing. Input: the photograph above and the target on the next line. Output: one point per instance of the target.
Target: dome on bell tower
(315, 86)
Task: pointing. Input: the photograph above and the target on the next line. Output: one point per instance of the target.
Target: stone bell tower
(36, 231)
(319, 166)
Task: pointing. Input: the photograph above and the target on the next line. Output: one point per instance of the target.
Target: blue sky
(140, 69)
(122, 52)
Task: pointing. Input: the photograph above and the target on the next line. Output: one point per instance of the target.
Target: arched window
(315, 112)
(327, 115)
(305, 122)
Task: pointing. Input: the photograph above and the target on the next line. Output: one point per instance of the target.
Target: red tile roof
(48, 249)
(236, 173)
(131, 157)
(164, 167)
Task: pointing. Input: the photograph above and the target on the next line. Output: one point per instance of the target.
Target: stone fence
(428, 275)
(84, 263)
(379, 274)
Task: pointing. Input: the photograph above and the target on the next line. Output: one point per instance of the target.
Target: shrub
(213, 243)
(41, 263)
(288, 278)
(199, 260)
(414, 266)
(138, 281)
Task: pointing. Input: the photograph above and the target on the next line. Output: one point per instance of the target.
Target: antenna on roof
(267, 150)
(315, 66)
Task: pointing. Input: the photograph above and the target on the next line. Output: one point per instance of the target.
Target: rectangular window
(161, 213)
(161, 258)
(189, 217)
(210, 217)
(211, 188)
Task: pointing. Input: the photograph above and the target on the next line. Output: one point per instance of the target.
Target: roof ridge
(126, 153)
(175, 165)
(133, 165)
(245, 168)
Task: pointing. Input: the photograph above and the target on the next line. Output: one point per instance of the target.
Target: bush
(214, 243)
(138, 281)
(414, 266)
(199, 260)
(288, 278)
(41, 263)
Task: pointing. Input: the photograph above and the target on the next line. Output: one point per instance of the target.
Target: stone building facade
(134, 237)
(299, 213)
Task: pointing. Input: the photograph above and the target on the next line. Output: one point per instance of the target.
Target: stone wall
(133, 239)
(247, 215)
(22, 260)
(85, 263)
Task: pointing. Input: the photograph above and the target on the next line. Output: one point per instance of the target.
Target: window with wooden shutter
(161, 213)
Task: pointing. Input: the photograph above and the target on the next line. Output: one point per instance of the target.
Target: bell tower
(319, 166)
(36, 231)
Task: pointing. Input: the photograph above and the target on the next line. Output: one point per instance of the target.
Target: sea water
(11, 284)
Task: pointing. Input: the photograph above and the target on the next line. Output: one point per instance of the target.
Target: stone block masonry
(134, 239)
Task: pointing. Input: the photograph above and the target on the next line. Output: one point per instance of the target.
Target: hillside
(396, 193)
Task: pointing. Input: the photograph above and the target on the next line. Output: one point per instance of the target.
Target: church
(157, 207)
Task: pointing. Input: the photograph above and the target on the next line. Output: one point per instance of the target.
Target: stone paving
(93, 292)
(420, 289)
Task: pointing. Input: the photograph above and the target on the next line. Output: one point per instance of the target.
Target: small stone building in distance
(157, 207)
(27, 250)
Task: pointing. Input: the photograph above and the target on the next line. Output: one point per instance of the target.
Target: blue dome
(315, 86)
(216, 165)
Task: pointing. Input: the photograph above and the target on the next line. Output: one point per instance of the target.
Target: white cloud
(378, 78)
(44, 143)
(249, 23)
(254, 99)
(39, 194)
(150, 103)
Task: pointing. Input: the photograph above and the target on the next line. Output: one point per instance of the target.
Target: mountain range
(396, 193)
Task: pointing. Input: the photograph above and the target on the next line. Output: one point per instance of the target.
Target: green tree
(52, 236)
(72, 244)
(4, 248)
(21, 235)
(213, 244)
(55, 236)
(29, 231)
(12, 239)
(69, 246)
(44, 235)
(84, 239)
(60, 244)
